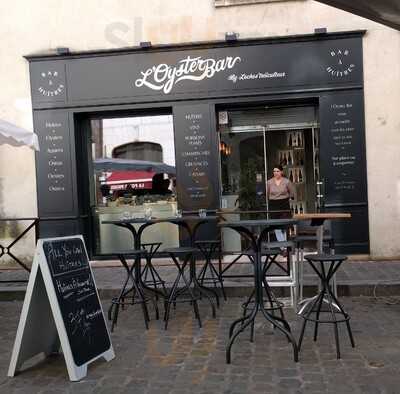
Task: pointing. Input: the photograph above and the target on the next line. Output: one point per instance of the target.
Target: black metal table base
(256, 241)
(277, 322)
(270, 302)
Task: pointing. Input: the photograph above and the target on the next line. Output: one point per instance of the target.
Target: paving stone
(189, 360)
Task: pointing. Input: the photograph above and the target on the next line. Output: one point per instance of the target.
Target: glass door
(243, 176)
(243, 168)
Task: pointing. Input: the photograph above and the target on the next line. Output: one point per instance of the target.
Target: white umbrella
(17, 136)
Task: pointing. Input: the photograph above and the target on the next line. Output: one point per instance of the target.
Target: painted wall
(35, 26)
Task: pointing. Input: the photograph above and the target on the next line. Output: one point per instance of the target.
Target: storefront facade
(199, 85)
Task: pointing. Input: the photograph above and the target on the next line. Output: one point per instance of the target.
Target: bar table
(256, 231)
(190, 223)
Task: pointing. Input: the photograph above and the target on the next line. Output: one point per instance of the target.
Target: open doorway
(255, 140)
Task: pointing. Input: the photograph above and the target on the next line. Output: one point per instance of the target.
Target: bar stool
(325, 266)
(138, 295)
(209, 248)
(182, 256)
(150, 276)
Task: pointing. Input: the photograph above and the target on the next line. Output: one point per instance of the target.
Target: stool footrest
(325, 257)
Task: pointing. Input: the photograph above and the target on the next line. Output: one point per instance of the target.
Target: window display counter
(113, 238)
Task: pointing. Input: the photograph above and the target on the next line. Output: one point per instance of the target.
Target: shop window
(133, 176)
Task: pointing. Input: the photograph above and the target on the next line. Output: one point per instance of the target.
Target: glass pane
(133, 176)
(242, 178)
(243, 170)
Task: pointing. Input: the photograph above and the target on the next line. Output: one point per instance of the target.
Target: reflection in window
(134, 176)
(150, 151)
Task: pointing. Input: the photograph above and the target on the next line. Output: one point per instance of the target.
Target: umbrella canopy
(107, 164)
(17, 136)
(386, 12)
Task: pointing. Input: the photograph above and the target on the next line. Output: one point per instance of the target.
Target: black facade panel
(55, 164)
(196, 157)
(342, 158)
(351, 235)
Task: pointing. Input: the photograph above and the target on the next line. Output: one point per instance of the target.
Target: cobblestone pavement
(186, 359)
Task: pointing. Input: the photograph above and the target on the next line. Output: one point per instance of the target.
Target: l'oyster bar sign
(162, 74)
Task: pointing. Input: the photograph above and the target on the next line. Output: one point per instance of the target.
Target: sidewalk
(187, 359)
(355, 278)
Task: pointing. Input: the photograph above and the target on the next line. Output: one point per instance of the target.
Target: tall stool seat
(182, 257)
(208, 273)
(132, 287)
(325, 266)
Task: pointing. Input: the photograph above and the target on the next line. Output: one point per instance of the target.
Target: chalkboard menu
(77, 298)
(197, 177)
(342, 134)
(54, 164)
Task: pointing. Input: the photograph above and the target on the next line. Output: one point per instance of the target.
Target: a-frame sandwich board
(62, 307)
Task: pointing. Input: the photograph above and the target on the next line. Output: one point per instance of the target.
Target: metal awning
(386, 12)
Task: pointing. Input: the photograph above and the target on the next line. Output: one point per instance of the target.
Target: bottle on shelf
(300, 175)
(290, 159)
(284, 161)
(291, 175)
(290, 140)
(301, 210)
(300, 138)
